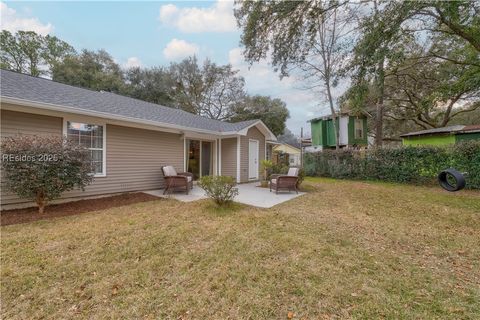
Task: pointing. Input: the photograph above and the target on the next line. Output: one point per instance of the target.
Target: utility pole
(301, 147)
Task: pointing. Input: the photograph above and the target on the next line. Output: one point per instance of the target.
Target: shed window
(358, 126)
(92, 137)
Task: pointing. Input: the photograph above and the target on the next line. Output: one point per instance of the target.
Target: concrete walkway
(248, 193)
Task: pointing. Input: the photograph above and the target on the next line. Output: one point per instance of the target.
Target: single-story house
(442, 136)
(294, 153)
(130, 139)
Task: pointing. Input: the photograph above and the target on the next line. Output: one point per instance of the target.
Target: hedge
(415, 165)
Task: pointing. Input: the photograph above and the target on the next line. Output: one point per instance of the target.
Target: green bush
(41, 168)
(417, 165)
(220, 188)
(301, 176)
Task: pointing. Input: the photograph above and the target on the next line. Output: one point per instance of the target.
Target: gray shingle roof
(21, 86)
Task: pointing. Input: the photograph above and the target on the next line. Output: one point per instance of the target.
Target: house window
(358, 126)
(92, 137)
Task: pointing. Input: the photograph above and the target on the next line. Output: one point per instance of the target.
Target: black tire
(452, 173)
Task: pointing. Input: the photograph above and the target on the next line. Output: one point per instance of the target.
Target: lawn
(345, 250)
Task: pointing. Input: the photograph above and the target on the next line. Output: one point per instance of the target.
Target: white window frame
(104, 138)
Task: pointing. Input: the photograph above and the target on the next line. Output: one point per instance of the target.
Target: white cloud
(12, 21)
(133, 62)
(178, 49)
(218, 18)
(261, 79)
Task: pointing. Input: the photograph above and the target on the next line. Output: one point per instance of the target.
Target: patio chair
(288, 181)
(176, 180)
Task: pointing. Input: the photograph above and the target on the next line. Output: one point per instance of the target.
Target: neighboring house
(442, 136)
(294, 154)
(352, 132)
(130, 139)
(270, 145)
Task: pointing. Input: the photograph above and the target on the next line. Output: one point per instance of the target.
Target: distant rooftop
(445, 130)
(328, 117)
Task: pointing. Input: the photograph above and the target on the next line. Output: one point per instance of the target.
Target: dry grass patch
(345, 250)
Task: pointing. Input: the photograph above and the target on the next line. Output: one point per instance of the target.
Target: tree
(209, 90)
(307, 35)
(273, 112)
(431, 92)
(55, 51)
(289, 138)
(446, 31)
(152, 85)
(91, 70)
(41, 168)
(31, 53)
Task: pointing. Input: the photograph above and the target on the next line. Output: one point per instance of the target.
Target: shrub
(417, 165)
(301, 176)
(220, 188)
(41, 168)
(266, 165)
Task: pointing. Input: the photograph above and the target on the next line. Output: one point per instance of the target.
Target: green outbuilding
(441, 136)
(352, 131)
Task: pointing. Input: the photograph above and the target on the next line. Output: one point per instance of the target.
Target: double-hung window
(92, 137)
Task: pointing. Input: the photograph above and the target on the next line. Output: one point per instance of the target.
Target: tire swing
(451, 180)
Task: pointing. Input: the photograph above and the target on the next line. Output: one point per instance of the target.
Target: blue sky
(157, 33)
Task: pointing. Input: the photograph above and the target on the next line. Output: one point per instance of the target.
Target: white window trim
(89, 121)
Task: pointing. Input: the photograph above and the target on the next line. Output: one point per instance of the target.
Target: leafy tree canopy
(208, 90)
(92, 70)
(31, 53)
(273, 112)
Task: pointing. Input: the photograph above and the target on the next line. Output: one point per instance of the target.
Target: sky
(149, 34)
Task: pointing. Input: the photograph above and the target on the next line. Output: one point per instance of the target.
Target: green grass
(345, 250)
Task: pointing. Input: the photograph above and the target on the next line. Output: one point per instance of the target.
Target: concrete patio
(248, 193)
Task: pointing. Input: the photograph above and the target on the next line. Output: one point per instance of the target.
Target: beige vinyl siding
(134, 156)
(253, 133)
(14, 123)
(229, 157)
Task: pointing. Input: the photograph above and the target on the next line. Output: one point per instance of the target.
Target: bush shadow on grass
(224, 210)
(307, 187)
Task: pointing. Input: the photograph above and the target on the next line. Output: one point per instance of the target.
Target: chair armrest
(177, 177)
(275, 176)
(185, 174)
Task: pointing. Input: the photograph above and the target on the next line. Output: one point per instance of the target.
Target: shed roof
(445, 130)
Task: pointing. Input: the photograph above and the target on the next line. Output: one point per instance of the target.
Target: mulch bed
(16, 216)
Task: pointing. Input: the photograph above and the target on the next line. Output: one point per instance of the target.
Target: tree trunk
(380, 106)
(334, 115)
(41, 202)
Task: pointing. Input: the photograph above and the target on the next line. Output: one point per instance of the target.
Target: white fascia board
(263, 127)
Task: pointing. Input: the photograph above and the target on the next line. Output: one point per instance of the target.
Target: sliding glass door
(199, 158)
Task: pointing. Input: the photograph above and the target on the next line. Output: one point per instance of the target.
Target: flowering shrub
(41, 168)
